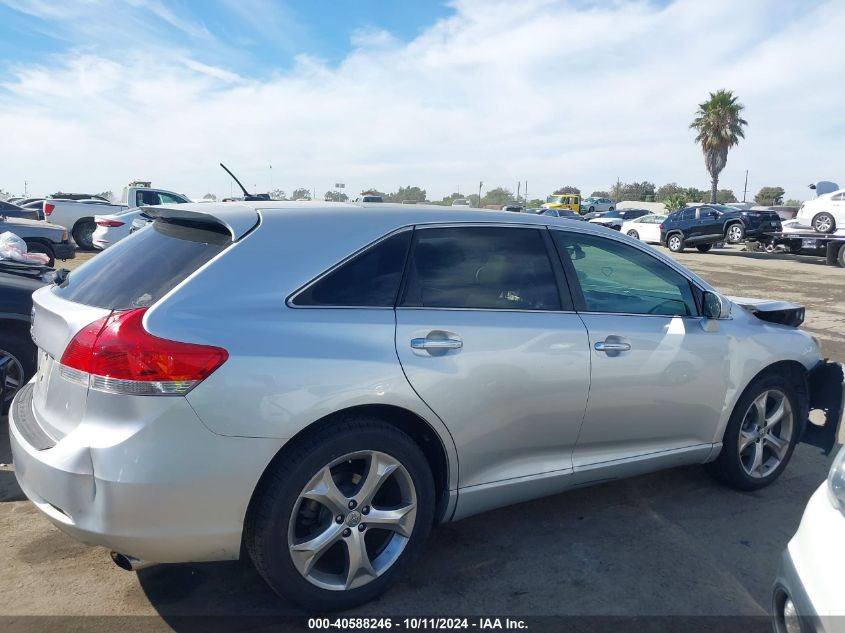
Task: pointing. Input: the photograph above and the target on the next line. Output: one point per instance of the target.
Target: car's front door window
(617, 278)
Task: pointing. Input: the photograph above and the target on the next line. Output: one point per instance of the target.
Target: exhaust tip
(129, 563)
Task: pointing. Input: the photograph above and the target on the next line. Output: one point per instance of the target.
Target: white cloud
(556, 93)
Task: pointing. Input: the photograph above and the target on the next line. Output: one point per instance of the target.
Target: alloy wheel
(765, 433)
(14, 377)
(735, 233)
(352, 520)
(674, 243)
(822, 224)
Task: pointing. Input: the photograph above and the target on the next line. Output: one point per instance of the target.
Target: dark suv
(708, 224)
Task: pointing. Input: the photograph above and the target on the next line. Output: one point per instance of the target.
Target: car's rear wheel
(610, 209)
(761, 435)
(633, 233)
(675, 242)
(17, 365)
(704, 248)
(342, 514)
(83, 234)
(735, 233)
(591, 209)
(824, 223)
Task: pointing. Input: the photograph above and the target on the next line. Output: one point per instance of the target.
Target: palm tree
(719, 128)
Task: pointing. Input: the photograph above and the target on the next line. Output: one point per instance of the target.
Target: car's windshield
(554, 199)
(613, 214)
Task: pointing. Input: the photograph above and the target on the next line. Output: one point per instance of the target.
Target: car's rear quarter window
(139, 270)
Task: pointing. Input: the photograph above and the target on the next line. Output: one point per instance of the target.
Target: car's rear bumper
(154, 483)
(64, 250)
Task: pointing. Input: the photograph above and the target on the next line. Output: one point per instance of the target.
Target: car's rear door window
(480, 267)
(619, 278)
(369, 279)
(138, 271)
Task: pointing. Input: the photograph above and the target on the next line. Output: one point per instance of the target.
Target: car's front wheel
(342, 514)
(761, 435)
(675, 242)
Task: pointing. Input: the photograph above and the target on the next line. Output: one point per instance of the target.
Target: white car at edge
(645, 228)
(826, 214)
(808, 591)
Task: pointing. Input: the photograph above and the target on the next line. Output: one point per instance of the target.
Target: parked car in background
(561, 213)
(78, 216)
(461, 202)
(593, 214)
(645, 228)
(807, 596)
(513, 207)
(8, 210)
(41, 237)
(704, 225)
(369, 198)
(825, 214)
(591, 204)
(328, 459)
(614, 219)
(17, 349)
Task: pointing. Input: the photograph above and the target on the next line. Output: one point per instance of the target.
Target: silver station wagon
(321, 384)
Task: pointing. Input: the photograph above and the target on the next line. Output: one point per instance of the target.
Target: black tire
(591, 209)
(15, 342)
(269, 515)
(610, 209)
(675, 242)
(825, 221)
(39, 247)
(738, 231)
(840, 258)
(727, 468)
(633, 233)
(704, 248)
(83, 234)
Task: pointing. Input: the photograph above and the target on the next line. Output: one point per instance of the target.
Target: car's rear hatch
(133, 275)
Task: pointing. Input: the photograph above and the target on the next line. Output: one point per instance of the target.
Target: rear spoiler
(237, 219)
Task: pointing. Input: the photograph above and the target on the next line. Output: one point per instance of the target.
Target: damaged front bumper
(826, 390)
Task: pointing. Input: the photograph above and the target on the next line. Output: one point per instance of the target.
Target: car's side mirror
(715, 306)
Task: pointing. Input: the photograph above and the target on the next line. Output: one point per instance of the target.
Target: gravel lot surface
(668, 543)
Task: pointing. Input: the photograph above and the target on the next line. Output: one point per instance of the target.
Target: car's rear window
(139, 270)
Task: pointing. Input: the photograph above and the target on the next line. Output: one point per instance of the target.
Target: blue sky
(252, 37)
(441, 95)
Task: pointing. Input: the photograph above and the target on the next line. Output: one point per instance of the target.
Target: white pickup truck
(77, 216)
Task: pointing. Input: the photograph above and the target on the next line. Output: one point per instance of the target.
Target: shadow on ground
(670, 543)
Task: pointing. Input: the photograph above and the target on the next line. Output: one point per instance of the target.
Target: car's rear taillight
(109, 223)
(116, 354)
(48, 208)
(661, 226)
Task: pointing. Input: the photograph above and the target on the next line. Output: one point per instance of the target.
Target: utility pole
(480, 184)
(526, 191)
(745, 188)
(25, 189)
(518, 189)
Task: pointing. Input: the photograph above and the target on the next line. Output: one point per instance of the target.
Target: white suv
(826, 214)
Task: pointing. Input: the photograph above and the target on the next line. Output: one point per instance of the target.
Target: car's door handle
(428, 343)
(605, 346)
